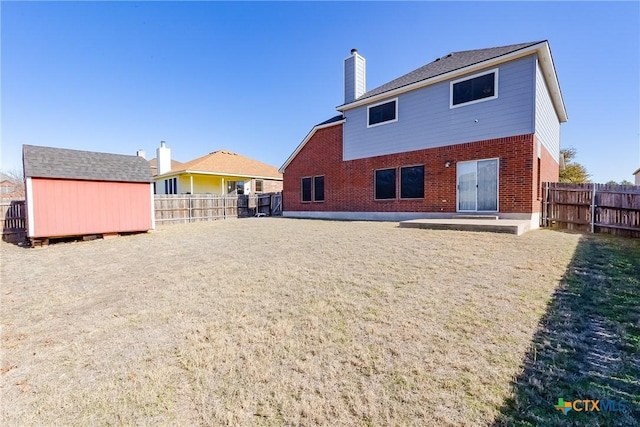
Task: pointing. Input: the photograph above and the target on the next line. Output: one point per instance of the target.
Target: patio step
(475, 217)
(512, 226)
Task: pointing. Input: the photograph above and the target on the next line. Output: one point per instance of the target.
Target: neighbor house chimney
(163, 158)
(355, 78)
(141, 153)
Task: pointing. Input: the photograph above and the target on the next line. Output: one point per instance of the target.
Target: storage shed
(76, 193)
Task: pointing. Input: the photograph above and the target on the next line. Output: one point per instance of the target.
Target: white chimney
(163, 158)
(141, 153)
(355, 77)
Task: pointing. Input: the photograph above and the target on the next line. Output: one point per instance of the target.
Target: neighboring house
(153, 164)
(472, 132)
(74, 193)
(636, 174)
(10, 187)
(220, 172)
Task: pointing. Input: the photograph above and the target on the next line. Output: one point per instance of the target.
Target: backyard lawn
(272, 321)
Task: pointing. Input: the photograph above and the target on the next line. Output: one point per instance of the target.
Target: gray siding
(547, 122)
(354, 78)
(426, 121)
(349, 79)
(360, 76)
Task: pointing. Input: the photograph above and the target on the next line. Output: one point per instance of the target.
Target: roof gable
(50, 162)
(4, 177)
(458, 63)
(451, 62)
(335, 120)
(225, 162)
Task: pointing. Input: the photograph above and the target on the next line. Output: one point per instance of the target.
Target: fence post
(548, 201)
(593, 207)
(545, 199)
(190, 209)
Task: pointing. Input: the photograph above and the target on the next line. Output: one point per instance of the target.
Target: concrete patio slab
(512, 226)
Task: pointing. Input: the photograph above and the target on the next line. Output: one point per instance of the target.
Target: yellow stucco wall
(215, 184)
(203, 184)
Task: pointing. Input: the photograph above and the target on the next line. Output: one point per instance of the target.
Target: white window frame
(475, 101)
(497, 186)
(369, 107)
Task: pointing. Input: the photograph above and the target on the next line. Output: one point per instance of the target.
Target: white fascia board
(541, 48)
(549, 71)
(221, 174)
(305, 140)
(167, 175)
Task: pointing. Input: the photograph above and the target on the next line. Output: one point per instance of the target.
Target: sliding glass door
(478, 186)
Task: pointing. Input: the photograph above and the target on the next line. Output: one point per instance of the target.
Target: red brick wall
(549, 172)
(269, 186)
(349, 184)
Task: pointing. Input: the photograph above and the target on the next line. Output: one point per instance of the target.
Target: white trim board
(30, 218)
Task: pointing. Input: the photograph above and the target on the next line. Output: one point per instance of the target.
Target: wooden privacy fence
(597, 208)
(180, 208)
(13, 220)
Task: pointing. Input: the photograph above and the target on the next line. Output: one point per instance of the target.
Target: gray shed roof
(451, 62)
(49, 162)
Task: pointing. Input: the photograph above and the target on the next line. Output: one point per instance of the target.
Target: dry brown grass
(273, 321)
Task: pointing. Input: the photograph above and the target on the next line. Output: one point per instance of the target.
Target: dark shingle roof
(49, 162)
(451, 62)
(331, 120)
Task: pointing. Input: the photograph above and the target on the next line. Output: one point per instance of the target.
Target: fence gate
(596, 208)
(13, 218)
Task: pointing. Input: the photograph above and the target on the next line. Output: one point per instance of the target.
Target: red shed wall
(69, 208)
(349, 184)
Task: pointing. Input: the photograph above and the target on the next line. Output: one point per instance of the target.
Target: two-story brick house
(472, 132)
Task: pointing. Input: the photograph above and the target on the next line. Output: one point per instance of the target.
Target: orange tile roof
(227, 162)
(153, 164)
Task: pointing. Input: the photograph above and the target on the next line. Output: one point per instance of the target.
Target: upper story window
(382, 113)
(477, 88)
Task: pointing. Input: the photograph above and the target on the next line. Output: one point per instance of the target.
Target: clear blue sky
(255, 77)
